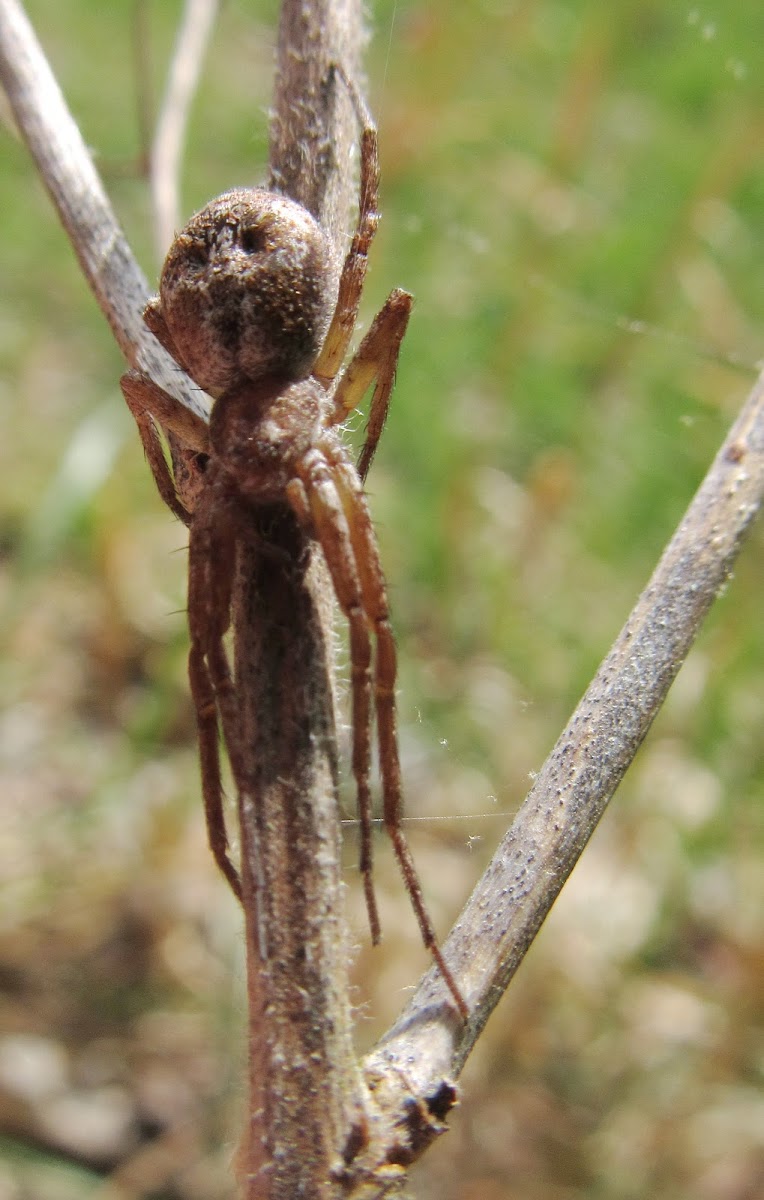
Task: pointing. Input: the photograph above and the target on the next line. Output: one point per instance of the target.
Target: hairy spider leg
(343, 322)
(351, 553)
(376, 359)
(374, 591)
(211, 556)
(153, 409)
(149, 405)
(315, 501)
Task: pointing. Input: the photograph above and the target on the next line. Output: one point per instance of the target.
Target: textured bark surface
(307, 1098)
(573, 788)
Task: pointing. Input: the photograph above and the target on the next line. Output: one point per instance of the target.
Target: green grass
(574, 194)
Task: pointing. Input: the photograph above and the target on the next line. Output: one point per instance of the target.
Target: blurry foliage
(574, 193)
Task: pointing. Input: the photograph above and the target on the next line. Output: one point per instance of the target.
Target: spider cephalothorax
(246, 305)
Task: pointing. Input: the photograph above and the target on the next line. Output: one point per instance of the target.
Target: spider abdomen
(246, 289)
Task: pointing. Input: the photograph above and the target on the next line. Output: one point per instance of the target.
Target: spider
(245, 306)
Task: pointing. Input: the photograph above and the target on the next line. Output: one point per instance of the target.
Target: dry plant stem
(75, 187)
(307, 1102)
(586, 765)
(197, 23)
(314, 132)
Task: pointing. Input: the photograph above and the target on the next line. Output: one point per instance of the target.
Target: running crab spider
(246, 307)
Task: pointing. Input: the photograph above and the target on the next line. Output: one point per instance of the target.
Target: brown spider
(245, 307)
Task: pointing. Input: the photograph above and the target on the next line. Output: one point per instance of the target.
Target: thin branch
(425, 1050)
(313, 129)
(195, 30)
(67, 170)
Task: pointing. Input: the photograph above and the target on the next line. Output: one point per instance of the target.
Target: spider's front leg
(377, 356)
(375, 361)
(356, 262)
(211, 555)
(152, 407)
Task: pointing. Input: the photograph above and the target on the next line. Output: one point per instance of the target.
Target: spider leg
(149, 406)
(353, 274)
(343, 526)
(315, 501)
(376, 359)
(374, 594)
(153, 319)
(210, 570)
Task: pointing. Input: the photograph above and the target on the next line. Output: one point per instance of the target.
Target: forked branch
(293, 827)
(591, 756)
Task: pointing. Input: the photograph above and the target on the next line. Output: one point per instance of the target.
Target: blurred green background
(574, 193)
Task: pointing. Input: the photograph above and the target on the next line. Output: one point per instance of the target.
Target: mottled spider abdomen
(246, 289)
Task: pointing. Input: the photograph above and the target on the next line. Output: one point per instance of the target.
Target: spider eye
(253, 239)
